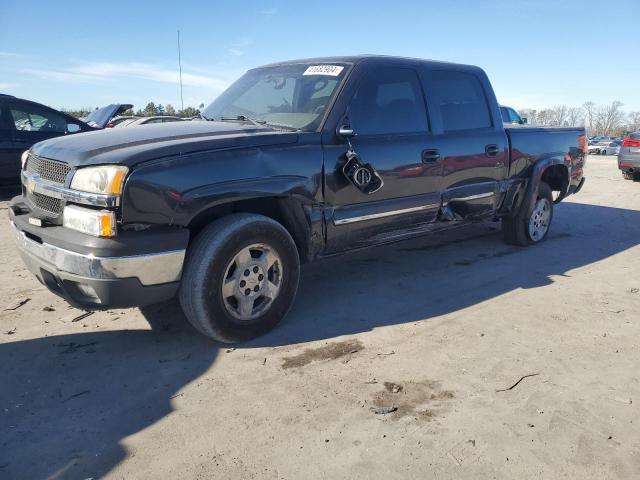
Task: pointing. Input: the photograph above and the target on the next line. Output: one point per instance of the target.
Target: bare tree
(589, 110)
(634, 121)
(545, 117)
(609, 117)
(575, 117)
(559, 115)
(531, 115)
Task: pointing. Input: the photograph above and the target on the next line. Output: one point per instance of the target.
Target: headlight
(23, 158)
(106, 180)
(99, 223)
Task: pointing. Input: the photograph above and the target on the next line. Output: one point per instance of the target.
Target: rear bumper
(629, 163)
(110, 278)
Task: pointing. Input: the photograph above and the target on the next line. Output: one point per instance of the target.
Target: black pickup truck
(296, 161)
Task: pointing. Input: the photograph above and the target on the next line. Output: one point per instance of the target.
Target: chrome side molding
(389, 213)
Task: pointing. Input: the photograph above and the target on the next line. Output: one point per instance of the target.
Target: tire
(239, 259)
(628, 176)
(517, 229)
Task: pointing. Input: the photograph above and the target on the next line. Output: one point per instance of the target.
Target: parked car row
(24, 123)
(606, 147)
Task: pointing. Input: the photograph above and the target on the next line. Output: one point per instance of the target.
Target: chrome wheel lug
(246, 273)
(261, 277)
(242, 283)
(256, 288)
(247, 291)
(255, 269)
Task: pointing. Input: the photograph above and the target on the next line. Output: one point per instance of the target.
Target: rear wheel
(627, 176)
(240, 277)
(531, 223)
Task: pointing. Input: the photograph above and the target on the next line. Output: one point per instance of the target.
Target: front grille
(51, 170)
(46, 203)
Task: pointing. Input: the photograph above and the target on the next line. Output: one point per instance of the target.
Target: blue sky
(537, 52)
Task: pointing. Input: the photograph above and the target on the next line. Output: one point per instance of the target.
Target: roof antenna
(180, 67)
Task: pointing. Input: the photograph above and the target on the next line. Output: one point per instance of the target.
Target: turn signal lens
(99, 223)
(582, 142)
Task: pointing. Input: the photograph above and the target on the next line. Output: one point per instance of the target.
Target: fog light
(99, 223)
(88, 291)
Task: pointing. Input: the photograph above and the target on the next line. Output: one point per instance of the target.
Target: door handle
(429, 156)
(491, 150)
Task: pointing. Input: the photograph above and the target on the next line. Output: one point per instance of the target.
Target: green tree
(169, 110)
(150, 110)
(160, 109)
(189, 112)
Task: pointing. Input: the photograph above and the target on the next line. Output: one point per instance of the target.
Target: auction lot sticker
(331, 70)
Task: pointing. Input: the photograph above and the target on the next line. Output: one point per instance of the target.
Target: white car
(605, 148)
(135, 121)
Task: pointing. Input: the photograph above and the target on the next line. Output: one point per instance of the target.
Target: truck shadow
(425, 278)
(72, 399)
(69, 400)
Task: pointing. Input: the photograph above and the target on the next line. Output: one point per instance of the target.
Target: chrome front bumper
(151, 269)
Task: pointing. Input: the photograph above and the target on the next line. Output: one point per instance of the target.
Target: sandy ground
(433, 327)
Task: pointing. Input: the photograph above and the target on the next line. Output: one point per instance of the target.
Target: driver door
(388, 116)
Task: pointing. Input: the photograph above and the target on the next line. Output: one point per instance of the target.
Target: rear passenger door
(469, 138)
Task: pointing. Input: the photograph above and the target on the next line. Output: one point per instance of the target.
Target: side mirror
(73, 128)
(524, 121)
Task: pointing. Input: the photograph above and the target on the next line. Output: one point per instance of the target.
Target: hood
(132, 145)
(101, 117)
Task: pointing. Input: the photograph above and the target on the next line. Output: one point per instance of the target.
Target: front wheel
(240, 277)
(627, 176)
(530, 225)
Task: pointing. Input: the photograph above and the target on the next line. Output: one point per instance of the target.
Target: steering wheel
(320, 84)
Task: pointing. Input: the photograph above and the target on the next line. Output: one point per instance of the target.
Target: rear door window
(389, 101)
(461, 100)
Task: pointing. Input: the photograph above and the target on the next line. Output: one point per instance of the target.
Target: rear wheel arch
(556, 176)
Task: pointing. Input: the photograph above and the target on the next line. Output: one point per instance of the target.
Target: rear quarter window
(461, 100)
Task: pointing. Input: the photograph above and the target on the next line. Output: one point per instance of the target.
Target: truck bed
(529, 145)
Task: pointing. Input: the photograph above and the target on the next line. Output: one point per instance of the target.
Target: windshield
(285, 96)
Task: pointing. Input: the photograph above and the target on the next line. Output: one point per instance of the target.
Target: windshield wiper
(257, 123)
(244, 118)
